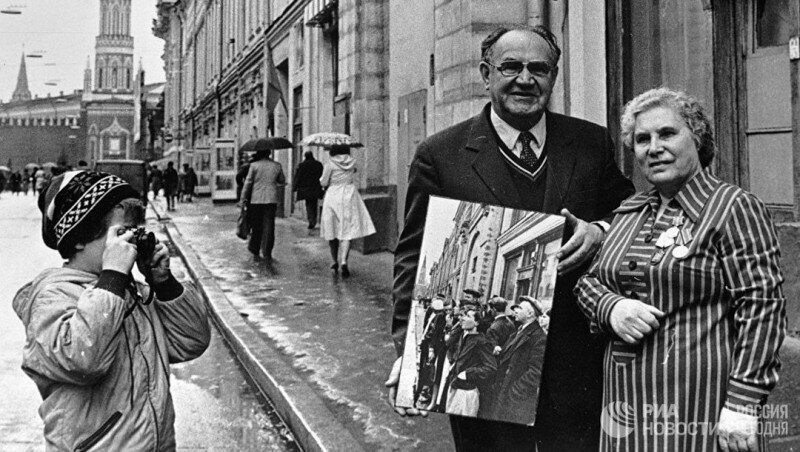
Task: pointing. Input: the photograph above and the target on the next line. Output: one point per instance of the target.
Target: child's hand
(157, 267)
(119, 254)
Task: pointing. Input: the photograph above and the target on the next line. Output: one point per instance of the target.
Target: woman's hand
(632, 320)
(736, 432)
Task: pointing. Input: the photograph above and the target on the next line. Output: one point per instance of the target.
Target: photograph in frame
(479, 316)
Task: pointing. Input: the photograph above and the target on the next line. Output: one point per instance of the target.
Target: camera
(145, 242)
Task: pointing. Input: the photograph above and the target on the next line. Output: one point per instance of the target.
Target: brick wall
(37, 144)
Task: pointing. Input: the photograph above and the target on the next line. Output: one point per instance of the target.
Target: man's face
(524, 312)
(519, 100)
(468, 296)
(468, 321)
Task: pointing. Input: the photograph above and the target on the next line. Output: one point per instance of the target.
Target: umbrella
(328, 139)
(5, 169)
(48, 165)
(31, 166)
(265, 143)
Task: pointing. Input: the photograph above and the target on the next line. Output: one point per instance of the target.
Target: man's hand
(157, 267)
(497, 349)
(582, 246)
(391, 383)
(632, 320)
(119, 254)
(736, 432)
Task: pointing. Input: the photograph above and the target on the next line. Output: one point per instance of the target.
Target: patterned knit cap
(75, 199)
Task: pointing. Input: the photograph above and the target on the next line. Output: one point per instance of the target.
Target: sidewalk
(299, 326)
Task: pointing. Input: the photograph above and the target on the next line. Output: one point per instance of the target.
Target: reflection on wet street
(216, 408)
(216, 405)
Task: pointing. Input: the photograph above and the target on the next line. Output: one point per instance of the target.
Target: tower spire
(21, 92)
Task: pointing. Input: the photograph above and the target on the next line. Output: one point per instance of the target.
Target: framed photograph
(479, 318)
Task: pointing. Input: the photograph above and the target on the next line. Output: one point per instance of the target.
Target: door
(411, 130)
(223, 170)
(769, 104)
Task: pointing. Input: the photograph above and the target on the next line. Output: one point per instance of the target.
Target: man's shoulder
(577, 125)
(452, 137)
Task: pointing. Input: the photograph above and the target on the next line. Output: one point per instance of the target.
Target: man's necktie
(527, 155)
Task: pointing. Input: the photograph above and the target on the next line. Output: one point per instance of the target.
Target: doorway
(411, 130)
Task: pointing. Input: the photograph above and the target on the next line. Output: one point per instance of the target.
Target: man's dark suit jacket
(474, 357)
(464, 162)
(306, 180)
(519, 371)
(500, 330)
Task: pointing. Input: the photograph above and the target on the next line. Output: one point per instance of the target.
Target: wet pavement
(334, 331)
(216, 406)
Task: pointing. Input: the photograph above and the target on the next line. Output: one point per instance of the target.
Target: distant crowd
(33, 179)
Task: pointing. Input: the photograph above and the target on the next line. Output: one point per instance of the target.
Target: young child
(99, 344)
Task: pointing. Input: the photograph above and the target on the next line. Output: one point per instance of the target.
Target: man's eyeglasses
(514, 68)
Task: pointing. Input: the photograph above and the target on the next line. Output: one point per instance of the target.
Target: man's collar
(692, 197)
(509, 135)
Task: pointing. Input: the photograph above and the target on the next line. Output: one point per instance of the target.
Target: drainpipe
(537, 12)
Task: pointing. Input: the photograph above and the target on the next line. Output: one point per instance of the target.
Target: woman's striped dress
(725, 320)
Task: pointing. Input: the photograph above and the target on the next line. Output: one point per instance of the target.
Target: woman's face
(665, 149)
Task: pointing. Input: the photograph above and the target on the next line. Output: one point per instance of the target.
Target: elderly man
(519, 369)
(515, 153)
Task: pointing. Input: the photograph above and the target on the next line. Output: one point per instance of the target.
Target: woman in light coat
(344, 215)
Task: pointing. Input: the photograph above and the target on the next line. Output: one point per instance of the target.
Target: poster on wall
(479, 318)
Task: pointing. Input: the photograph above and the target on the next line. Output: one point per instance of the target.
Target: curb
(314, 426)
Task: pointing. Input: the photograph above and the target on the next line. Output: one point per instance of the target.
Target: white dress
(344, 215)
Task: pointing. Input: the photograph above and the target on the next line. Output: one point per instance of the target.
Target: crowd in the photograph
(480, 357)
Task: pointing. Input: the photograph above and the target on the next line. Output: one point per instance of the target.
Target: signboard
(223, 166)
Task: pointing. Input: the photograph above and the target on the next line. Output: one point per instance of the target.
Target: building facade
(109, 106)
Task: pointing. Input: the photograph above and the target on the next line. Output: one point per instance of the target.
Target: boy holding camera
(98, 343)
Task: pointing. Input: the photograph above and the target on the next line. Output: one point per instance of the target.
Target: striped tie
(527, 155)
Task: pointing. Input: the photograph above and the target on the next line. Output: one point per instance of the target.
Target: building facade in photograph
(467, 258)
(526, 256)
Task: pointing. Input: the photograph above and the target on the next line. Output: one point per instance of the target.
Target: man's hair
(498, 304)
(686, 106)
(487, 46)
(309, 155)
(134, 211)
(83, 163)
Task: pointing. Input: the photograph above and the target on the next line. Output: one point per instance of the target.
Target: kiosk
(202, 166)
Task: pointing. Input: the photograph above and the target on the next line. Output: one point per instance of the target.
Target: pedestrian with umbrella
(344, 215)
(3, 171)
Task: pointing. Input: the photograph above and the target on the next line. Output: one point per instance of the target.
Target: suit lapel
(489, 164)
(561, 161)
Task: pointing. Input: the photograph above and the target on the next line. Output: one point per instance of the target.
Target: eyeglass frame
(524, 66)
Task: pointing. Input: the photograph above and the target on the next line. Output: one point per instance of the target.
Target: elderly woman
(688, 287)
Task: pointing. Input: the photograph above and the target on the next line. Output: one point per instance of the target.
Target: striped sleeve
(750, 264)
(596, 300)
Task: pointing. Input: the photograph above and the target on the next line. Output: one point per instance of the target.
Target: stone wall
(35, 144)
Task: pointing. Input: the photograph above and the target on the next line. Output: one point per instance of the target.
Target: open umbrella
(5, 169)
(31, 166)
(328, 139)
(48, 165)
(266, 143)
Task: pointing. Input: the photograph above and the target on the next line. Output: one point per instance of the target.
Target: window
(299, 37)
(510, 276)
(773, 22)
(474, 264)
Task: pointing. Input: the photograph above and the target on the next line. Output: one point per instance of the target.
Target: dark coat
(306, 180)
(501, 329)
(519, 372)
(170, 179)
(474, 356)
(463, 162)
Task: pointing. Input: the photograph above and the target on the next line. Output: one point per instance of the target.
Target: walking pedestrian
(99, 343)
(344, 215)
(156, 181)
(42, 178)
(170, 185)
(260, 195)
(307, 186)
(189, 182)
(25, 182)
(2, 181)
(16, 183)
(518, 154)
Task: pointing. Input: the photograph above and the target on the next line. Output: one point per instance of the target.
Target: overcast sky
(65, 31)
(438, 226)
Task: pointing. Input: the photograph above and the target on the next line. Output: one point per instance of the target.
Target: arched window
(114, 77)
(128, 78)
(115, 21)
(99, 78)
